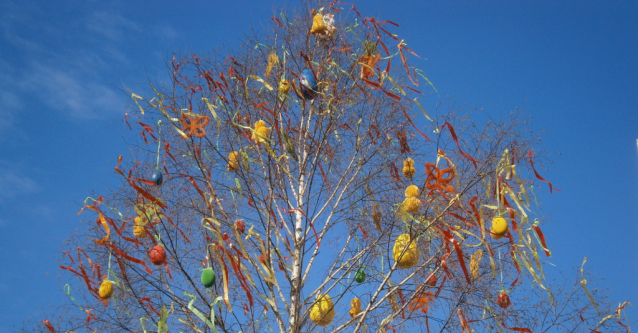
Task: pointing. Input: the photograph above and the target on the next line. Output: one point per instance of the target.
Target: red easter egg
(503, 300)
(431, 280)
(157, 255)
(240, 226)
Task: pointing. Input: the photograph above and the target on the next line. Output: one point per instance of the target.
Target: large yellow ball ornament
(106, 289)
(499, 227)
(411, 255)
(322, 312)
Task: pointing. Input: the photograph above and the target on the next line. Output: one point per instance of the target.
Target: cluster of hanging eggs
(411, 203)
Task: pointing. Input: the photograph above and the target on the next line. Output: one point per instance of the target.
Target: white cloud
(13, 184)
(111, 26)
(78, 94)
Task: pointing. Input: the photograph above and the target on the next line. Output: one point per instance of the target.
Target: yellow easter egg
(233, 162)
(318, 24)
(412, 191)
(408, 168)
(139, 231)
(411, 255)
(355, 307)
(322, 312)
(261, 133)
(411, 204)
(499, 226)
(106, 289)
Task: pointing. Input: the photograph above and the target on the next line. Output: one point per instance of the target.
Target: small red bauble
(503, 300)
(430, 281)
(157, 255)
(240, 226)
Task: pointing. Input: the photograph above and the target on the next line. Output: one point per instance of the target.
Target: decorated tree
(299, 185)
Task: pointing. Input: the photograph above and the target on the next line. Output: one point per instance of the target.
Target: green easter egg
(360, 276)
(208, 277)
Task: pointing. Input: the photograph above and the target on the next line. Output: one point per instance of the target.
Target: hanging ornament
(411, 203)
(283, 89)
(157, 255)
(503, 300)
(411, 255)
(273, 60)
(323, 26)
(308, 84)
(261, 132)
(322, 312)
(408, 168)
(233, 161)
(360, 276)
(499, 227)
(157, 178)
(106, 289)
(431, 280)
(240, 226)
(208, 277)
(475, 261)
(355, 307)
(138, 228)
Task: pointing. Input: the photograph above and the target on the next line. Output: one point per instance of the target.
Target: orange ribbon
(437, 175)
(194, 125)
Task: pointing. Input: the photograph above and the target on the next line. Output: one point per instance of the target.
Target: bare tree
(299, 185)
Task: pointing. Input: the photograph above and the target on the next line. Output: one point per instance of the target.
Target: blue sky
(65, 67)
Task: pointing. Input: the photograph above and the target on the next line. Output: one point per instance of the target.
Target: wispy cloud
(13, 184)
(77, 94)
(111, 26)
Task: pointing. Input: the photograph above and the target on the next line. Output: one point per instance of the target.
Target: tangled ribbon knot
(437, 175)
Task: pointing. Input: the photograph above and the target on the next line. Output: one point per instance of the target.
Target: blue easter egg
(157, 178)
(308, 84)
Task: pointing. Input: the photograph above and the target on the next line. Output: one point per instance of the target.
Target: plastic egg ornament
(157, 255)
(499, 227)
(106, 289)
(157, 178)
(411, 255)
(308, 84)
(355, 307)
(240, 226)
(208, 277)
(503, 300)
(360, 276)
(322, 312)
